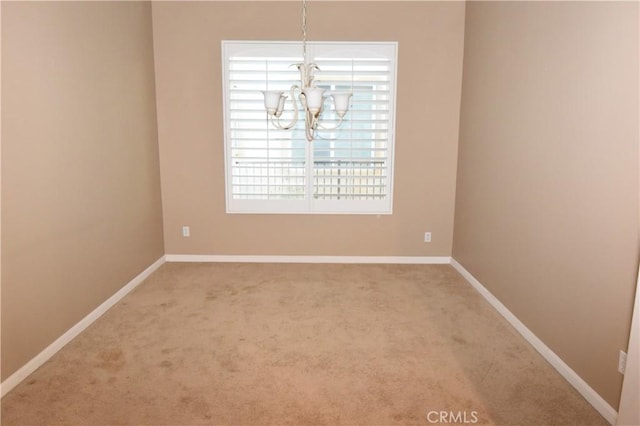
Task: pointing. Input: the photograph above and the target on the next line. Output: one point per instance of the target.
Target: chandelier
(310, 97)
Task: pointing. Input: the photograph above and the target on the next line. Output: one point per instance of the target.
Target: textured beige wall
(547, 197)
(187, 40)
(81, 209)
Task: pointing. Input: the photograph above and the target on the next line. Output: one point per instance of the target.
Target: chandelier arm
(310, 125)
(334, 127)
(276, 120)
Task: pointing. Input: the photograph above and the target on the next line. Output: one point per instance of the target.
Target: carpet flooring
(298, 344)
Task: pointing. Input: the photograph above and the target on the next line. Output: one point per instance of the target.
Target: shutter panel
(266, 163)
(351, 163)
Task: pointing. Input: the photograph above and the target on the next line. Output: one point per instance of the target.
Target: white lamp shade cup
(314, 98)
(341, 102)
(272, 100)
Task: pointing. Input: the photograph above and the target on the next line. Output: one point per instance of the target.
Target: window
(348, 170)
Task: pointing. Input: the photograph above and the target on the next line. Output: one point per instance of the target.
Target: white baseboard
(31, 366)
(606, 410)
(423, 260)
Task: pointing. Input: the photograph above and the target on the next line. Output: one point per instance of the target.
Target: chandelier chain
(304, 30)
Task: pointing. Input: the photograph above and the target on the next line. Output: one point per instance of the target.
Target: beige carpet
(258, 344)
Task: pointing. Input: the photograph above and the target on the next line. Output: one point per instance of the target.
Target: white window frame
(310, 204)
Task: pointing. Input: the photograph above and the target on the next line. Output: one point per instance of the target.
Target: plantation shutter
(347, 170)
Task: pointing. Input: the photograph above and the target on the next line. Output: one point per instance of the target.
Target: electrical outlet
(427, 237)
(186, 232)
(622, 362)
